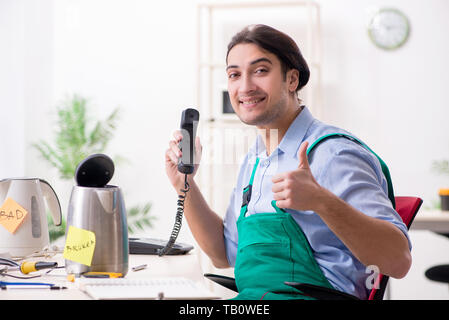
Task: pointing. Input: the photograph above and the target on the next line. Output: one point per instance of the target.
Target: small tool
(31, 266)
(26, 266)
(93, 274)
(140, 267)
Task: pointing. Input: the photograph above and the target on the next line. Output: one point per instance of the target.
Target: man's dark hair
(279, 44)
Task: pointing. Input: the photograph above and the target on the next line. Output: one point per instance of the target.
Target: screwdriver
(27, 266)
(31, 266)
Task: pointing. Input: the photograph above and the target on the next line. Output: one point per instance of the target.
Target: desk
(432, 220)
(186, 266)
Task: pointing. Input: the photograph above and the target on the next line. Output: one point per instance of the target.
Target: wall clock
(389, 28)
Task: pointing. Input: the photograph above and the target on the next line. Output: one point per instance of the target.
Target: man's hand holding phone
(172, 156)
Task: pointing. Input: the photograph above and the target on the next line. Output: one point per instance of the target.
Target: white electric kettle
(31, 234)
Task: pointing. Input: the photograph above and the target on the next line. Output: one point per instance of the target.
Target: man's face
(256, 84)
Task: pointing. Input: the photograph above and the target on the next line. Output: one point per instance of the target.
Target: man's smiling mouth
(251, 101)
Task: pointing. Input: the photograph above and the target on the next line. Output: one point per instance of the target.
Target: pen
(52, 287)
(29, 285)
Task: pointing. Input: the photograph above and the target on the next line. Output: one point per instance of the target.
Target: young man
(321, 217)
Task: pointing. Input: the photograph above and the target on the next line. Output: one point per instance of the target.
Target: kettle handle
(52, 202)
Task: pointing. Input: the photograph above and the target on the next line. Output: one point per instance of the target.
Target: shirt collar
(296, 132)
(258, 148)
(292, 139)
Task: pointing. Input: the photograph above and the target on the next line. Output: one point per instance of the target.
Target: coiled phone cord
(178, 220)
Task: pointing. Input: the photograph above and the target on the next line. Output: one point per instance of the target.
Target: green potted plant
(76, 138)
(442, 167)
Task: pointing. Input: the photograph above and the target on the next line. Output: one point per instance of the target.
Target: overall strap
(247, 190)
(383, 165)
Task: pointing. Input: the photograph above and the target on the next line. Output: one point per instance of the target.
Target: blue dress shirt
(343, 167)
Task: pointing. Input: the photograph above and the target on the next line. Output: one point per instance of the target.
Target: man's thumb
(302, 156)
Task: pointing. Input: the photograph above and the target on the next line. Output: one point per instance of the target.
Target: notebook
(158, 288)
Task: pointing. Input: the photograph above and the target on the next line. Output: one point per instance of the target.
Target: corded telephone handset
(186, 165)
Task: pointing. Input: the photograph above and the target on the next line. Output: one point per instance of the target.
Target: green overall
(272, 248)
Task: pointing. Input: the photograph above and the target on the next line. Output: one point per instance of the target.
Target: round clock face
(389, 28)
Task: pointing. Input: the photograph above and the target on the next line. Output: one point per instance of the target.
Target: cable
(8, 262)
(178, 220)
(20, 277)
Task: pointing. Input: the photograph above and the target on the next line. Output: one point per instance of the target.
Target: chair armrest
(226, 282)
(320, 293)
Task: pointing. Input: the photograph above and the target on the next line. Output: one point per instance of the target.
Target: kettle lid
(95, 170)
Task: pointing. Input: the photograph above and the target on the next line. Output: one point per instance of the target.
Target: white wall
(140, 55)
(397, 102)
(394, 100)
(12, 141)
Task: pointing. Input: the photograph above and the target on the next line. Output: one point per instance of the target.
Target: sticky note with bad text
(12, 215)
(79, 245)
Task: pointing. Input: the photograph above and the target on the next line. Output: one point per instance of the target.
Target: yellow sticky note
(12, 215)
(79, 245)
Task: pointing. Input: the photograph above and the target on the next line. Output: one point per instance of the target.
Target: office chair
(406, 207)
(439, 273)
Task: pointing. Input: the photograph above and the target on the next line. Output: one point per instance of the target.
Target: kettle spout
(107, 198)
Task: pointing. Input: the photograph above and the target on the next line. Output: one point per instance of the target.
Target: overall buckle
(246, 195)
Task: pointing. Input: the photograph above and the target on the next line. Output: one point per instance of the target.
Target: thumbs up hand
(297, 189)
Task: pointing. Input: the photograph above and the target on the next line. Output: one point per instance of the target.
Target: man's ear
(292, 79)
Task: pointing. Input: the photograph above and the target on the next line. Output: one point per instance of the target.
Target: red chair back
(407, 208)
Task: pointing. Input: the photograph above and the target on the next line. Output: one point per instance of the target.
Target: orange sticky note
(79, 245)
(12, 215)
